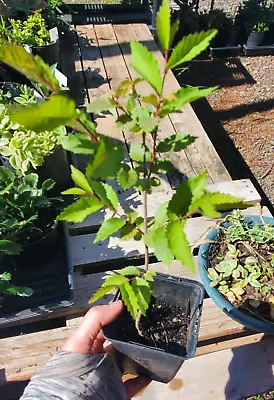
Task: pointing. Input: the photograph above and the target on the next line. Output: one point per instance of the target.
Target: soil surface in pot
(164, 327)
(218, 250)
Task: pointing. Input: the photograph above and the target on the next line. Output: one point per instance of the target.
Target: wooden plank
(117, 71)
(113, 249)
(227, 375)
(124, 34)
(188, 121)
(23, 355)
(96, 79)
(242, 188)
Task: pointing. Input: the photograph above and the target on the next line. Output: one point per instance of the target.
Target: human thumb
(88, 334)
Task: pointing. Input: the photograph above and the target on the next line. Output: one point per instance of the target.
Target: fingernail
(115, 304)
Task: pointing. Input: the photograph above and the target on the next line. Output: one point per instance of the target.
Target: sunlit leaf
(146, 65)
(189, 47)
(163, 24)
(47, 115)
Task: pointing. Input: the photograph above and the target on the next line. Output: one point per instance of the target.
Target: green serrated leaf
(100, 293)
(127, 177)
(161, 247)
(163, 24)
(162, 166)
(187, 194)
(128, 232)
(137, 151)
(106, 194)
(142, 292)
(146, 65)
(149, 123)
(179, 245)
(124, 87)
(109, 227)
(115, 280)
(210, 203)
(33, 68)
(173, 30)
(83, 125)
(149, 275)
(80, 180)
(100, 105)
(130, 271)
(184, 96)
(74, 191)
(130, 300)
(79, 210)
(78, 143)
(106, 161)
(151, 99)
(189, 47)
(45, 116)
(176, 142)
(161, 214)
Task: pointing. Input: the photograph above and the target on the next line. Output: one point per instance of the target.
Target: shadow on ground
(217, 72)
(230, 156)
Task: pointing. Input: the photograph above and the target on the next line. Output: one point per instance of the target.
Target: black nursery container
(49, 53)
(255, 39)
(153, 362)
(56, 167)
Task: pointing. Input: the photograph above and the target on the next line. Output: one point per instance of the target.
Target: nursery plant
(7, 287)
(242, 264)
(24, 148)
(22, 198)
(162, 233)
(33, 31)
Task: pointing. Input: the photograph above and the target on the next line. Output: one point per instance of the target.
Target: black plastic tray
(52, 284)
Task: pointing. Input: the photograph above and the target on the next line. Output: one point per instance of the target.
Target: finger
(83, 339)
(134, 385)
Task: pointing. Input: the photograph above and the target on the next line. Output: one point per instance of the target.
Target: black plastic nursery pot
(51, 280)
(138, 358)
(255, 39)
(56, 167)
(49, 53)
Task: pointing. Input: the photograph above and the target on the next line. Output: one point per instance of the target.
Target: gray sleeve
(73, 376)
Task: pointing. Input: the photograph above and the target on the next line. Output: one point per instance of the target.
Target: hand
(89, 339)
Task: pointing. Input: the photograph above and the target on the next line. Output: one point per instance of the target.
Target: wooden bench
(95, 60)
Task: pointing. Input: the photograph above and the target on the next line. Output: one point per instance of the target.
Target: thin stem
(145, 230)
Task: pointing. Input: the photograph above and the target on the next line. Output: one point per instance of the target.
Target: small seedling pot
(137, 359)
(255, 39)
(49, 53)
(248, 321)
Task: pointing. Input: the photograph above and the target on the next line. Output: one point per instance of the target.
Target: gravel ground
(244, 104)
(253, 132)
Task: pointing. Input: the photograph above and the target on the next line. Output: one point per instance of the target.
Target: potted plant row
(158, 328)
(33, 33)
(36, 264)
(26, 150)
(254, 19)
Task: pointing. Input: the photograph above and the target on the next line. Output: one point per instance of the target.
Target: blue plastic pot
(248, 321)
